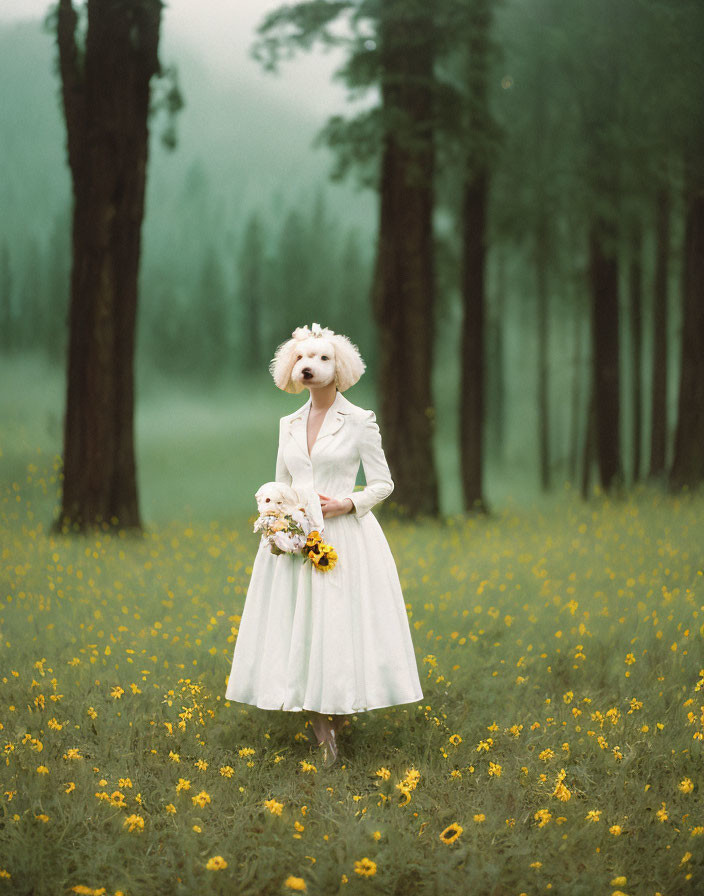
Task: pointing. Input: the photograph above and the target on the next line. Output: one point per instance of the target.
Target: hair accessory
(315, 330)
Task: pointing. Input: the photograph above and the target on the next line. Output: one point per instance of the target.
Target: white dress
(336, 641)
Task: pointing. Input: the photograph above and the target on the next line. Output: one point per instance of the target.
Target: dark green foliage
(299, 26)
(167, 97)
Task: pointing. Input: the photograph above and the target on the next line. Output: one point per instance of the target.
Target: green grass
(537, 631)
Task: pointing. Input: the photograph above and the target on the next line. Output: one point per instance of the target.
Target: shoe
(324, 753)
(329, 750)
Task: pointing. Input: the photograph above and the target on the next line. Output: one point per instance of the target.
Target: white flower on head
(317, 330)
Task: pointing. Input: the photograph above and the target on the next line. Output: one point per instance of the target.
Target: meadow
(558, 748)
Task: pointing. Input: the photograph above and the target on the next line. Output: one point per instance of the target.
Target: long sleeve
(282, 472)
(376, 470)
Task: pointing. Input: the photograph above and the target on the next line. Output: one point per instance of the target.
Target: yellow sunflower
(322, 556)
(326, 559)
(314, 551)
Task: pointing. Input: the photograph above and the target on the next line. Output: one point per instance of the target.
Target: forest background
(246, 236)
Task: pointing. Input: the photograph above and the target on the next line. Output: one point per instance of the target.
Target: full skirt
(334, 642)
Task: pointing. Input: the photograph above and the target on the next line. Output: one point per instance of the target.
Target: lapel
(333, 420)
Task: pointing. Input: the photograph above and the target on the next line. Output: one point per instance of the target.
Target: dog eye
(299, 357)
(267, 500)
(324, 358)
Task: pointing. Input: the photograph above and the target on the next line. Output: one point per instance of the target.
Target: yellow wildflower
(134, 823)
(365, 867)
(593, 815)
(274, 806)
(201, 799)
(542, 816)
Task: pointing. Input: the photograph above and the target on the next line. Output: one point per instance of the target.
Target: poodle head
(316, 357)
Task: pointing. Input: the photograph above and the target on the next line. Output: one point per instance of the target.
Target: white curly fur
(349, 365)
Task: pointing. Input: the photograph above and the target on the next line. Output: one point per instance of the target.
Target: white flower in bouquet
(288, 542)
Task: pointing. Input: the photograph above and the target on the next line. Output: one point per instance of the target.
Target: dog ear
(349, 365)
(282, 364)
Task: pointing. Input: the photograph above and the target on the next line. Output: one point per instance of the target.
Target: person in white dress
(332, 642)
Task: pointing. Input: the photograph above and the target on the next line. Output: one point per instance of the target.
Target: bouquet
(322, 556)
(287, 527)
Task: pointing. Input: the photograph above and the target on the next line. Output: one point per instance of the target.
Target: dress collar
(340, 403)
(333, 420)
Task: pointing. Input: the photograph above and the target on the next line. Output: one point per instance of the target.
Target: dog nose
(307, 372)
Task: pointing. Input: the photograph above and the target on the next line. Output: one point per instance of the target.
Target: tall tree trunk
(496, 374)
(576, 410)
(541, 249)
(475, 192)
(688, 461)
(589, 440)
(106, 92)
(605, 351)
(473, 336)
(658, 426)
(543, 323)
(404, 281)
(6, 322)
(635, 292)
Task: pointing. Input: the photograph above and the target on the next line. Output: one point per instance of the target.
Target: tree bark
(6, 321)
(635, 292)
(589, 440)
(403, 293)
(473, 338)
(495, 375)
(658, 426)
(543, 323)
(577, 374)
(475, 193)
(605, 352)
(106, 94)
(688, 461)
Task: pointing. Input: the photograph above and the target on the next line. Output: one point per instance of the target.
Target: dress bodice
(348, 435)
